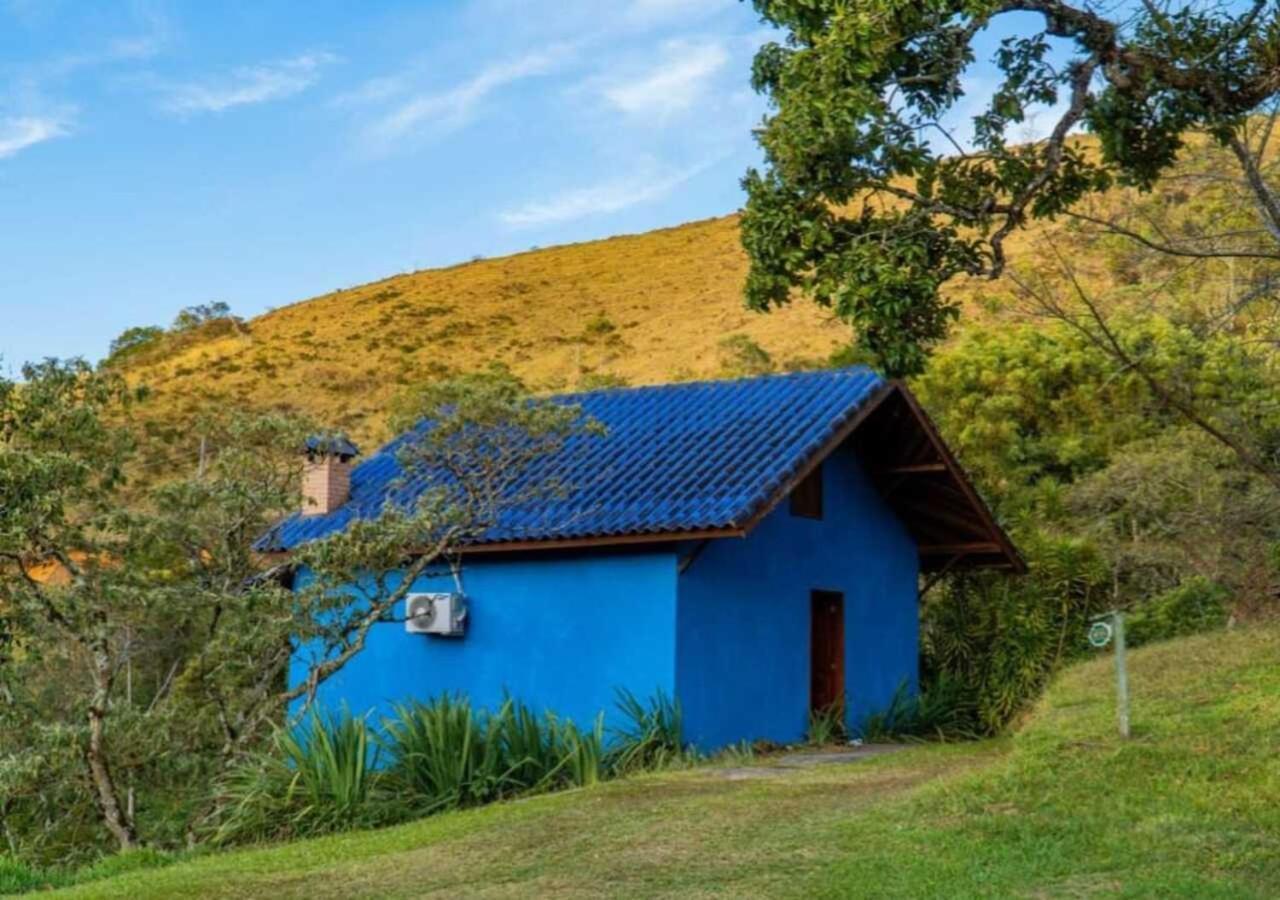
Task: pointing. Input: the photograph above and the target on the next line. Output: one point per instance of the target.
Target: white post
(1122, 677)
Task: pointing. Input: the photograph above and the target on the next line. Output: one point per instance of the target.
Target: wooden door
(826, 649)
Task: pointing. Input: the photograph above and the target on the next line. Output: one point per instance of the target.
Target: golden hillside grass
(646, 308)
(637, 309)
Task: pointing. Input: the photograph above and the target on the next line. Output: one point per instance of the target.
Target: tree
(870, 202)
(200, 314)
(476, 440)
(60, 538)
(133, 339)
(145, 647)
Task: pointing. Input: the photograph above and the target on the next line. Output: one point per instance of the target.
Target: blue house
(753, 548)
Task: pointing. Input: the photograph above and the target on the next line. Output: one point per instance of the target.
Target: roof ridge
(717, 382)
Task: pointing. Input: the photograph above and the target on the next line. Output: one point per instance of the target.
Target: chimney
(326, 474)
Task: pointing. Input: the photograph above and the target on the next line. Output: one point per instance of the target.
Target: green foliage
(944, 711)
(869, 204)
(316, 779)
(827, 726)
(599, 326)
(201, 314)
(336, 773)
(741, 357)
(1022, 405)
(1001, 638)
(599, 381)
(19, 878)
(653, 736)
(1035, 815)
(137, 620)
(132, 341)
(1178, 508)
(1194, 606)
(444, 756)
(447, 755)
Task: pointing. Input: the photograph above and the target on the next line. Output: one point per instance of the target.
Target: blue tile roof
(675, 458)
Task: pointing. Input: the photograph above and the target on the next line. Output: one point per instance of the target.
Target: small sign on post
(1106, 628)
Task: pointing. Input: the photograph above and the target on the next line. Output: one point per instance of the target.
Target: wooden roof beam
(914, 469)
(961, 549)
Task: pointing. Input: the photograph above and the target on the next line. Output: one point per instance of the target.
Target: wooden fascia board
(962, 481)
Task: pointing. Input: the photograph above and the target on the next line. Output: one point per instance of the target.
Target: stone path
(778, 766)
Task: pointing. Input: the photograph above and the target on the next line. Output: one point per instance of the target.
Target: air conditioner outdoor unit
(435, 614)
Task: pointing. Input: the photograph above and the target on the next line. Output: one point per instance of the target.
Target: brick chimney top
(326, 474)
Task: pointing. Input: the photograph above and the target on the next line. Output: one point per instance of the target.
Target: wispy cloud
(447, 110)
(582, 17)
(609, 196)
(674, 85)
(246, 85)
(650, 12)
(19, 133)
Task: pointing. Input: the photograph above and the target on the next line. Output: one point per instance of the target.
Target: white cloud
(675, 85)
(450, 109)
(609, 196)
(17, 134)
(651, 12)
(246, 85)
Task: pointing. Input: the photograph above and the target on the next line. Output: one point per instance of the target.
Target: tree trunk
(118, 821)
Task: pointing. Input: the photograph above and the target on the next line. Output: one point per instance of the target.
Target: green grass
(1189, 807)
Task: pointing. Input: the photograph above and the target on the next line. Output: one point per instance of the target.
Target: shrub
(133, 341)
(447, 755)
(317, 778)
(1001, 638)
(328, 775)
(596, 381)
(741, 356)
(599, 326)
(1195, 605)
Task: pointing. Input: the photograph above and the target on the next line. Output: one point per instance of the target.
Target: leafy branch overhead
(871, 199)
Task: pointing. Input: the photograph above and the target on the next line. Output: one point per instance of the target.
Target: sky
(156, 154)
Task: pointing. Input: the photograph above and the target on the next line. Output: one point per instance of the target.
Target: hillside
(644, 308)
(1189, 807)
(636, 309)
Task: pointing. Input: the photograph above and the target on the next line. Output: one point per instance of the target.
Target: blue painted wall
(729, 637)
(557, 632)
(742, 648)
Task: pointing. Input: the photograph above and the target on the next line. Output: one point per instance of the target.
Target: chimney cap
(331, 445)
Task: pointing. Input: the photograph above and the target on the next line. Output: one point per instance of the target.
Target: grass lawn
(1189, 807)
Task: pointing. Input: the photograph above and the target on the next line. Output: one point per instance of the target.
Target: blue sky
(155, 155)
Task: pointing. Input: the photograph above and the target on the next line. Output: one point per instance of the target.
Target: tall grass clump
(446, 754)
(946, 710)
(827, 726)
(652, 737)
(322, 777)
(19, 878)
(337, 773)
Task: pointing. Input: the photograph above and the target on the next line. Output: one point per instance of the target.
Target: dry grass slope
(642, 309)
(636, 309)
